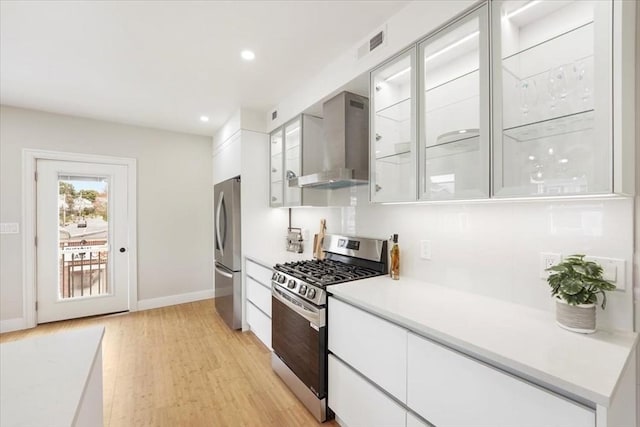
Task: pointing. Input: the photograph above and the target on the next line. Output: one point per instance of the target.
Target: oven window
(300, 346)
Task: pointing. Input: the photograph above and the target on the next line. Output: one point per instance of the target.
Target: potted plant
(576, 284)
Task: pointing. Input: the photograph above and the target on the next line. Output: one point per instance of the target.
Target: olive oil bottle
(394, 269)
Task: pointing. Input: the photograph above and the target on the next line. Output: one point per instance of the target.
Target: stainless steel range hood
(341, 159)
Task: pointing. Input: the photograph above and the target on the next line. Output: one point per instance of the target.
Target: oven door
(299, 338)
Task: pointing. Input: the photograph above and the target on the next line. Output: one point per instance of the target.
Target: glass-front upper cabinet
(393, 130)
(454, 110)
(552, 96)
(275, 167)
(292, 161)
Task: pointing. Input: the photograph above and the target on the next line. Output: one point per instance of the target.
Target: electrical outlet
(9, 228)
(548, 259)
(612, 270)
(425, 249)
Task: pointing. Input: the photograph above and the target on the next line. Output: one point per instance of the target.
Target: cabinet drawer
(449, 389)
(259, 295)
(359, 403)
(259, 273)
(260, 324)
(374, 347)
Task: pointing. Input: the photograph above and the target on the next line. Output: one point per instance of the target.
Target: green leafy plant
(577, 281)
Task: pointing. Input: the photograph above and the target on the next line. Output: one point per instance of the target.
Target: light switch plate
(613, 270)
(425, 249)
(9, 228)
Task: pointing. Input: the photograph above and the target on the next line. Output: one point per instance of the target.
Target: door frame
(29, 261)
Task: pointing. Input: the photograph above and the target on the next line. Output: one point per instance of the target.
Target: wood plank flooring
(182, 366)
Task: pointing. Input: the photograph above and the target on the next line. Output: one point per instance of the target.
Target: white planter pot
(576, 318)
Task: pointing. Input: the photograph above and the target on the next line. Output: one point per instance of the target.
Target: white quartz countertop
(277, 257)
(42, 379)
(519, 339)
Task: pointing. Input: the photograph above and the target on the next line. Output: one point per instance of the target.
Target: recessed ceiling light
(204, 119)
(247, 55)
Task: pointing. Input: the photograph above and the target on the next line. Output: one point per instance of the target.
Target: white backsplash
(494, 248)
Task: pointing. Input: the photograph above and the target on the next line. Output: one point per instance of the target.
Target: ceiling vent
(379, 39)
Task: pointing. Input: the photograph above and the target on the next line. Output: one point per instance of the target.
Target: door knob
(123, 250)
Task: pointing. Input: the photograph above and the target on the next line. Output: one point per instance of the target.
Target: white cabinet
(374, 347)
(450, 389)
(287, 162)
(258, 307)
(227, 158)
(359, 403)
(553, 122)
(276, 168)
(413, 421)
(392, 165)
(545, 109)
(454, 110)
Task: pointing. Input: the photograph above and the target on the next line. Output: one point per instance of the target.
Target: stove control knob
(303, 289)
(311, 293)
(281, 279)
(275, 276)
(291, 284)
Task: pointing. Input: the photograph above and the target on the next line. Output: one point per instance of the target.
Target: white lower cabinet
(357, 402)
(373, 346)
(258, 302)
(450, 389)
(260, 324)
(413, 421)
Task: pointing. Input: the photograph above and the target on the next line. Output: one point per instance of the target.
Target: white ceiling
(164, 63)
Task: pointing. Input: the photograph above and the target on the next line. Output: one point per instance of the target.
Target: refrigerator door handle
(224, 273)
(220, 242)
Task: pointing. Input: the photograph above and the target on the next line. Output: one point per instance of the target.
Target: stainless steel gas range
(299, 296)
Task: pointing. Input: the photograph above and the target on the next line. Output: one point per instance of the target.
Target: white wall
(175, 249)
(494, 248)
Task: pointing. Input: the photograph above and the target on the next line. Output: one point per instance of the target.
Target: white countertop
(42, 379)
(516, 338)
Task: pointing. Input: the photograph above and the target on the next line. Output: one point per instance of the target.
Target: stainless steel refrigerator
(228, 275)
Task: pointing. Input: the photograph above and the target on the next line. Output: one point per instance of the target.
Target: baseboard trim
(148, 304)
(10, 325)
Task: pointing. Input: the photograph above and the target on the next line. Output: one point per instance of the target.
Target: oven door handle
(313, 315)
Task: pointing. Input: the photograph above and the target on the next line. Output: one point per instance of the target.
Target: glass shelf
(394, 149)
(398, 112)
(396, 158)
(568, 41)
(571, 123)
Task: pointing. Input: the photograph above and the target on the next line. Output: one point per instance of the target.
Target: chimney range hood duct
(341, 159)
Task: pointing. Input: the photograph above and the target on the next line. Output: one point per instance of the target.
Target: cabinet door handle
(378, 188)
(274, 170)
(378, 137)
(273, 199)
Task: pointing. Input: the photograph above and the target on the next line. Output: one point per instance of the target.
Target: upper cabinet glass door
(552, 97)
(393, 130)
(454, 110)
(292, 161)
(275, 166)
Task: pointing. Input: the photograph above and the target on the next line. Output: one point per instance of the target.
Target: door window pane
(83, 255)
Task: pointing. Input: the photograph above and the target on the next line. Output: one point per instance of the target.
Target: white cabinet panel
(449, 389)
(413, 421)
(259, 295)
(375, 347)
(227, 161)
(259, 273)
(259, 323)
(357, 402)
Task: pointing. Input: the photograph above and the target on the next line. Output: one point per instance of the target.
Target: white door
(82, 239)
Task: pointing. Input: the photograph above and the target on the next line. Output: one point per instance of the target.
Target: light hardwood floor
(182, 366)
